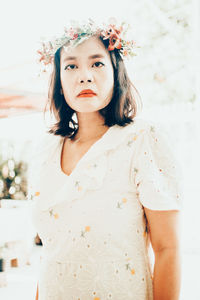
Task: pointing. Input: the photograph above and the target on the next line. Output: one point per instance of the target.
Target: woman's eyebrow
(90, 57)
(96, 56)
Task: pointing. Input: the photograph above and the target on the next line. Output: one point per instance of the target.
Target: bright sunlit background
(166, 74)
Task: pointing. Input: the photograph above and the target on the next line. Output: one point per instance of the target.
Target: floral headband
(77, 33)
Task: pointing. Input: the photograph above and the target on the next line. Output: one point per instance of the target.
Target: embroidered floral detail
(135, 137)
(119, 204)
(124, 200)
(128, 258)
(131, 269)
(129, 143)
(56, 216)
(90, 166)
(87, 228)
(78, 186)
(77, 183)
(152, 129)
(52, 214)
(31, 195)
(83, 232)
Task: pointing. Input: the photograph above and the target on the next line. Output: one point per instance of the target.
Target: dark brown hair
(121, 110)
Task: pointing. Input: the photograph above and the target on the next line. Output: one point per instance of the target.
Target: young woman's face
(87, 67)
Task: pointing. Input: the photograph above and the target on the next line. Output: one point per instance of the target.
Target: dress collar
(111, 139)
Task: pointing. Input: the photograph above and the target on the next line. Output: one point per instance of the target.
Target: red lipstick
(86, 93)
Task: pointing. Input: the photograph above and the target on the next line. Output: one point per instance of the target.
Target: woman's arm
(36, 298)
(164, 229)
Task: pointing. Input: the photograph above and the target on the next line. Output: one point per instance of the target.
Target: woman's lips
(86, 95)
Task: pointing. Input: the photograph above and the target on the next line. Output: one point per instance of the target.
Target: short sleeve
(38, 157)
(156, 171)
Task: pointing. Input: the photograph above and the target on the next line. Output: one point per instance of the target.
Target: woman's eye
(70, 67)
(98, 64)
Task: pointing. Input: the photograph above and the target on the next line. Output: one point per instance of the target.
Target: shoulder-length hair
(121, 110)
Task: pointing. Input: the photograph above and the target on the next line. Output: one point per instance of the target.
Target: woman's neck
(90, 126)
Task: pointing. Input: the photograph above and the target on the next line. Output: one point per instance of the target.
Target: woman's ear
(61, 91)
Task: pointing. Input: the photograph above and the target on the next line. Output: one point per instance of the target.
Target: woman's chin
(88, 107)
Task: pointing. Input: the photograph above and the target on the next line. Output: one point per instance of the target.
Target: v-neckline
(60, 150)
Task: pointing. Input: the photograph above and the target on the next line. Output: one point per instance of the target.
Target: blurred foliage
(13, 179)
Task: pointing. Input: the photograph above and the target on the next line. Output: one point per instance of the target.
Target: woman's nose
(88, 80)
(85, 77)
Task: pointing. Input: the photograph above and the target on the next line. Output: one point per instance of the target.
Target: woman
(106, 187)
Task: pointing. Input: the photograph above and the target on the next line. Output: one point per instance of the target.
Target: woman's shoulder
(44, 145)
(153, 132)
(141, 126)
(143, 132)
(146, 124)
(119, 136)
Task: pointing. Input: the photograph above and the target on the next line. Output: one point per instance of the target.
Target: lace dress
(92, 223)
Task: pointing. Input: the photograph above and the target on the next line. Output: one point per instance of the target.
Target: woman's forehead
(90, 48)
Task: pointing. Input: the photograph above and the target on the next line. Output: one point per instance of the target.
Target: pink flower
(125, 52)
(71, 33)
(75, 36)
(42, 57)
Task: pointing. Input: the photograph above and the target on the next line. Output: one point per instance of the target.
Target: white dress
(92, 224)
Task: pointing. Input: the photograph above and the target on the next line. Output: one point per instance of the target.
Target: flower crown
(77, 33)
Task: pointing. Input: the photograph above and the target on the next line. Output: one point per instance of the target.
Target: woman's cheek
(67, 80)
